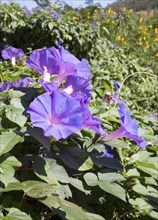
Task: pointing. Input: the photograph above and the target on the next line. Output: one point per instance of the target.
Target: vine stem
(21, 202)
(123, 82)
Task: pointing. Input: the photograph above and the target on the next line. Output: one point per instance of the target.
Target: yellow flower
(102, 10)
(156, 30)
(156, 54)
(88, 17)
(144, 37)
(150, 26)
(140, 20)
(156, 39)
(113, 22)
(95, 11)
(140, 43)
(147, 46)
(122, 39)
(124, 9)
(140, 39)
(74, 18)
(131, 10)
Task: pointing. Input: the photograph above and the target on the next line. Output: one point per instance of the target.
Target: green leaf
(7, 169)
(72, 211)
(14, 112)
(43, 169)
(15, 94)
(87, 165)
(37, 133)
(17, 214)
(78, 185)
(107, 183)
(8, 141)
(51, 201)
(91, 179)
(36, 189)
(92, 216)
(76, 158)
(50, 25)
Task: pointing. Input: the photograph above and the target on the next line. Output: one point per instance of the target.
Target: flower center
(69, 90)
(54, 121)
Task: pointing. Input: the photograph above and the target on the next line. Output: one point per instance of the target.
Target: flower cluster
(63, 109)
(64, 106)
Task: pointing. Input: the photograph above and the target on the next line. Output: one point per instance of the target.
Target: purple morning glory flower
(128, 128)
(75, 86)
(116, 16)
(24, 82)
(109, 152)
(5, 86)
(116, 85)
(49, 86)
(27, 12)
(94, 25)
(69, 65)
(57, 114)
(90, 121)
(56, 15)
(12, 53)
(43, 62)
(108, 98)
(59, 43)
(79, 88)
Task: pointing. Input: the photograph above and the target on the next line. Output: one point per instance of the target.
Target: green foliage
(41, 178)
(135, 5)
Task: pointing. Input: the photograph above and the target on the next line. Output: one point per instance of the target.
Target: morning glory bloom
(49, 86)
(108, 98)
(24, 82)
(56, 15)
(116, 85)
(43, 62)
(109, 152)
(128, 128)
(75, 86)
(5, 86)
(69, 65)
(12, 53)
(57, 114)
(91, 122)
(94, 25)
(79, 88)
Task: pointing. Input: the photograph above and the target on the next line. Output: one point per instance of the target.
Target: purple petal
(57, 114)
(79, 88)
(43, 62)
(83, 69)
(91, 122)
(10, 52)
(128, 128)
